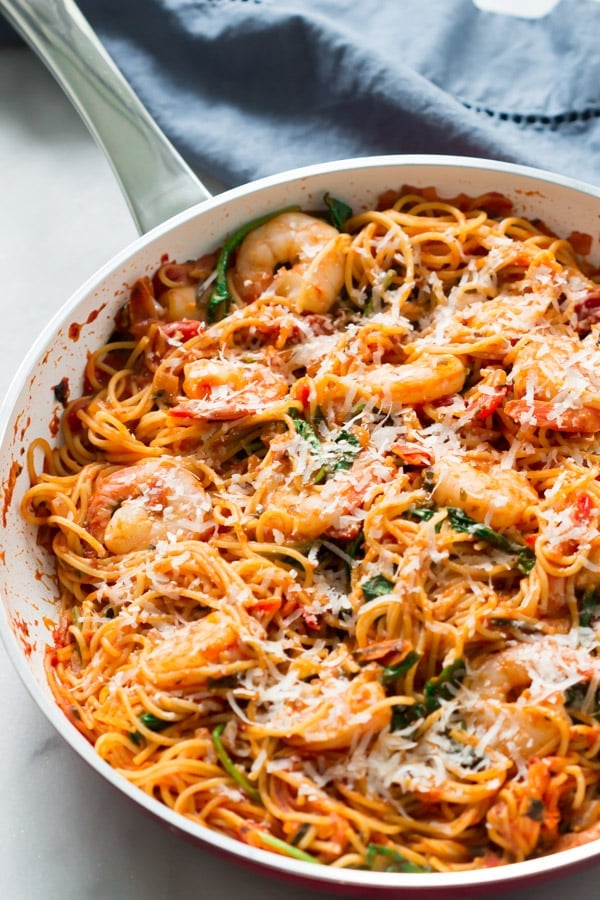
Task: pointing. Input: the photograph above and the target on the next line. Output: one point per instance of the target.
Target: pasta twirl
(325, 522)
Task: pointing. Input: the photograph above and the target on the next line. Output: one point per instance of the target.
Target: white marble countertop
(64, 833)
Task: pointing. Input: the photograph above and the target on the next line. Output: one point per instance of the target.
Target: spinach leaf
(390, 673)
(377, 586)
(230, 767)
(385, 859)
(418, 513)
(153, 723)
(442, 687)
(589, 607)
(461, 522)
(349, 448)
(355, 547)
(288, 849)
(338, 211)
(576, 695)
(308, 434)
(404, 715)
(220, 298)
(536, 810)
(341, 456)
(445, 685)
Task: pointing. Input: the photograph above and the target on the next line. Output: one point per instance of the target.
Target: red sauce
(75, 327)
(8, 488)
(21, 630)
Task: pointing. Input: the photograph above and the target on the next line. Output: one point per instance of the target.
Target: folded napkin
(246, 88)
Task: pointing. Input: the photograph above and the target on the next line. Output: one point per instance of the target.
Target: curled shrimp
(184, 657)
(556, 384)
(332, 509)
(218, 390)
(518, 690)
(499, 497)
(155, 499)
(519, 668)
(345, 716)
(428, 378)
(314, 252)
(526, 813)
(329, 712)
(577, 838)
(543, 414)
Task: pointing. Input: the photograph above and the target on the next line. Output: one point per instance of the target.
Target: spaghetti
(325, 522)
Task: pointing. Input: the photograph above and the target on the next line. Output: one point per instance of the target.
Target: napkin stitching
(554, 119)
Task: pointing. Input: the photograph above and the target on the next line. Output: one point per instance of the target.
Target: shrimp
(516, 685)
(556, 384)
(577, 838)
(542, 414)
(332, 714)
(157, 499)
(217, 390)
(181, 658)
(334, 509)
(428, 378)
(538, 668)
(526, 813)
(499, 497)
(314, 252)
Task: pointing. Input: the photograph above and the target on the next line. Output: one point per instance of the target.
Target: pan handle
(156, 181)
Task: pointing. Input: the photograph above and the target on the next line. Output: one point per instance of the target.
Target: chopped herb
(354, 547)
(153, 723)
(589, 607)
(338, 211)
(461, 522)
(331, 461)
(226, 681)
(61, 391)
(404, 715)
(419, 513)
(428, 482)
(536, 810)
(390, 673)
(255, 447)
(380, 858)
(516, 624)
(230, 767)
(160, 396)
(136, 738)
(369, 307)
(349, 449)
(220, 298)
(525, 560)
(576, 695)
(308, 434)
(445, 685)
(300, 834)
(283, 847)
(319, 416)
(377, 586)
(437, 689)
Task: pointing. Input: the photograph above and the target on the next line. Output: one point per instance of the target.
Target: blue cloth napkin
(246, 88)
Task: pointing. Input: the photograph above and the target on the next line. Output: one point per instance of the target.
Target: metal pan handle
(156, 181)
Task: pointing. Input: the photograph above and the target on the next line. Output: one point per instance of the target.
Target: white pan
(160, 186)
